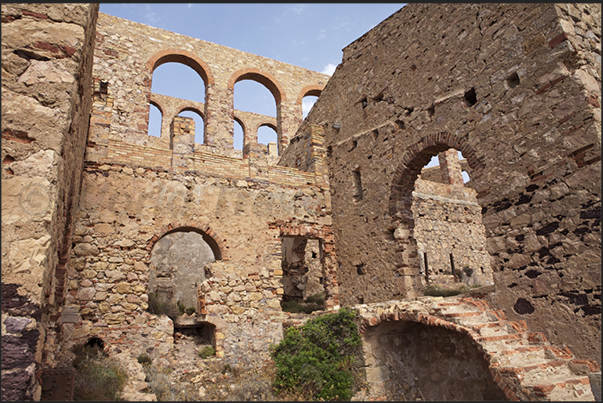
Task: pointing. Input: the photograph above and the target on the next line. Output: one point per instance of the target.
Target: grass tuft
(98, 377)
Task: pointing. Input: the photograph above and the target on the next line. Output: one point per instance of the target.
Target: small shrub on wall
(98, 377)
(317, 360)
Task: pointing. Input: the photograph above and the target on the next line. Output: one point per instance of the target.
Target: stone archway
(415, 361)
(400, 204)
(179, 263)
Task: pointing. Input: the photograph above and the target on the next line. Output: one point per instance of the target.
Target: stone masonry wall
(126, 55)
(46, 101)
(516, 89)
(244, 206)
(449, 227)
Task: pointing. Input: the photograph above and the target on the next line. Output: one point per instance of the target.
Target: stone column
(451, 167)
(219, 116)
(288, 121)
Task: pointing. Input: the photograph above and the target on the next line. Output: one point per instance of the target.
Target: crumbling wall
(450, 235)
(46, 98)
(516, 89)
(404, 360)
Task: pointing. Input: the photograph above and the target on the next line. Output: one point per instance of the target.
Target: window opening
(251, 96)
(470, 97)
(201, 334)
(513, 80)
(180, 262)
(426, 267)
(448, 224)
(199, 125)
(267, 135)
(237, 140)
(176, 80)
(303, 281)
(179, 81)
(357, 185)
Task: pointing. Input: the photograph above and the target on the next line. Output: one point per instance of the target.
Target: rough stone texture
(46, 101)
(516, 89)
(403, 356)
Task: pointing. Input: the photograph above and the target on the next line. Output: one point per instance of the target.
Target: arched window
(267, 134)
(177, 80)
(199, 124)
(251, 96)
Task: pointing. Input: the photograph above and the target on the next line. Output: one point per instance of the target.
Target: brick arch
(487, 328)
(215, 242)
(158, 105)
(264, 78)
(416, 157)
(181, 56)
(190, 109)
(314, 90)
(270, 125)
(431, 320)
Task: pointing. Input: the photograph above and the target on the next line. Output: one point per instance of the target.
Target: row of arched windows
(176, 79)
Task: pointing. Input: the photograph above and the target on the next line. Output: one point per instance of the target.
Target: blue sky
(306, 35)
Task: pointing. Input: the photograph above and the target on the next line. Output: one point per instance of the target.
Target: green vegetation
(317, 360)
(183, 309)
(144, 359)
(162, 308)
(434, 291)
(313, 303)
(207, 351)
(98, 377)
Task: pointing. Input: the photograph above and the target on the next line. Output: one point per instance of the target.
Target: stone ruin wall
(450, 236)
(138, 190)
(46, 100)
(516, 89)
(126, 55)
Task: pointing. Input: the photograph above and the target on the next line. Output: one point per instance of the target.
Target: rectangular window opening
(357, 185)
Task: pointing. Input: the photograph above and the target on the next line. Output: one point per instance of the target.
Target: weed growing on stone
(317, 360)
(144, 359)
(98, 377)
(313, 303)
(162, 308)
(207, 351)
(183, 309)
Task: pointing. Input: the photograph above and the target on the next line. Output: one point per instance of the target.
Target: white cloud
(296, 9)
(321, 35)
(151, 16)
(329, 69)
(189, 5)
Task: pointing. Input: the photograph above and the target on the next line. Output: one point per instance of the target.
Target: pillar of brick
(182, 140)
(450, 167)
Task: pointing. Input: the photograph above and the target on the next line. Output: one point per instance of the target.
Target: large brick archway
(521, 365)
